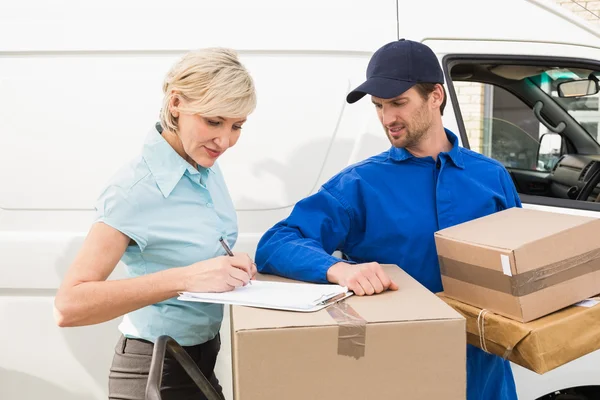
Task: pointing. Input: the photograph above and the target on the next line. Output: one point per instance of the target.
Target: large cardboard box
(406, 344)
(540, 345)
(521, 263)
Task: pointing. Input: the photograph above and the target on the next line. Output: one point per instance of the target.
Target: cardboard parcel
(521, 263)
(541, 345)
(404, 344)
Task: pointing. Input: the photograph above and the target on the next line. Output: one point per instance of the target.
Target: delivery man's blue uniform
(386, 209)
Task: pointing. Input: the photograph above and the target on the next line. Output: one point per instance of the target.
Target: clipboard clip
(329, 298)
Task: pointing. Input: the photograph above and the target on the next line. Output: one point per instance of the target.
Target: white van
(80, 85)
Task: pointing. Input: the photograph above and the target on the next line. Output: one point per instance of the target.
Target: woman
(162, 215)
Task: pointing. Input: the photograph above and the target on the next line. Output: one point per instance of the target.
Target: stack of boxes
(511, 281)
(516, 276)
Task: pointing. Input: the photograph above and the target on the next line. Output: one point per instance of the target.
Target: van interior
(541, 119)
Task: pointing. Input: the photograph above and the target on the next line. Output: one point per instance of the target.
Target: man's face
(406, 119)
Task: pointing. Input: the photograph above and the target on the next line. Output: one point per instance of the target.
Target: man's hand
(362, 279)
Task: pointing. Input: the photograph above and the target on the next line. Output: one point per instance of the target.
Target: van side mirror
(549, 151)
(579, 88)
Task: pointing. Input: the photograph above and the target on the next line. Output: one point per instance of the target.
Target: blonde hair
(212, 82)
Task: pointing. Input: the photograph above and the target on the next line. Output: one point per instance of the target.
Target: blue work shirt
(176, 215)
(386, 209)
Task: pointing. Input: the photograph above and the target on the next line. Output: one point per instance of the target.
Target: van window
(499, 125)
(540, 120)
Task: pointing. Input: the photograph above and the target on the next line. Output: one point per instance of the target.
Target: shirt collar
(164, 163)
(401, 154)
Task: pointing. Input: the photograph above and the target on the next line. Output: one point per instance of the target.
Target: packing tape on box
(524, 283)
(352, 330)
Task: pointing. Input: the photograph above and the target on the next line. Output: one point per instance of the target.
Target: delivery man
(386, 208)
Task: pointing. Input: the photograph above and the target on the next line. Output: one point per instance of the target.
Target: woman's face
(204, 139)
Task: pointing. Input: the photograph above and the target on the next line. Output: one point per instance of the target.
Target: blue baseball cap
(395, 68)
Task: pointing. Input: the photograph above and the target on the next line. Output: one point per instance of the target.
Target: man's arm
(300, 246)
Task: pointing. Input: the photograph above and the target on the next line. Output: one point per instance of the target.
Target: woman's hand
(219, 274)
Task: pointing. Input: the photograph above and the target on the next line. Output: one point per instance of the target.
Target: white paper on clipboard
(302, 297)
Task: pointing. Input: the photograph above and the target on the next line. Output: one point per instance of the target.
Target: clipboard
(299, 297)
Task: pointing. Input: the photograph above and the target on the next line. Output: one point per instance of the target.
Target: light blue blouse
(176, 215)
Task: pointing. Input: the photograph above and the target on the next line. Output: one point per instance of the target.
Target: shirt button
(209, 205)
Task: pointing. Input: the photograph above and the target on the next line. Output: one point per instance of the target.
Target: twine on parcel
(481, 329)
(482, 340)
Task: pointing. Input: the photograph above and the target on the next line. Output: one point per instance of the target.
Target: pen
(229, 252)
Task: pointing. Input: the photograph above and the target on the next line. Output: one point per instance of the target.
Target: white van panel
(48, 252)
(80, 85)
(74, 121)
(285, 143)
(151, 25)
(580, 372)
(41, 361)
(518, 21)
(66, 117)
(449, 46)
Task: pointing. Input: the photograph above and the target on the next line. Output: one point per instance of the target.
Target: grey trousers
(131, 364)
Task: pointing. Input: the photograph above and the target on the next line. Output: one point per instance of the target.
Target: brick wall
(471, 100)
(586, 9)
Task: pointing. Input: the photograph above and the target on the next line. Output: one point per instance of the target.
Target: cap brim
(383, 88)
